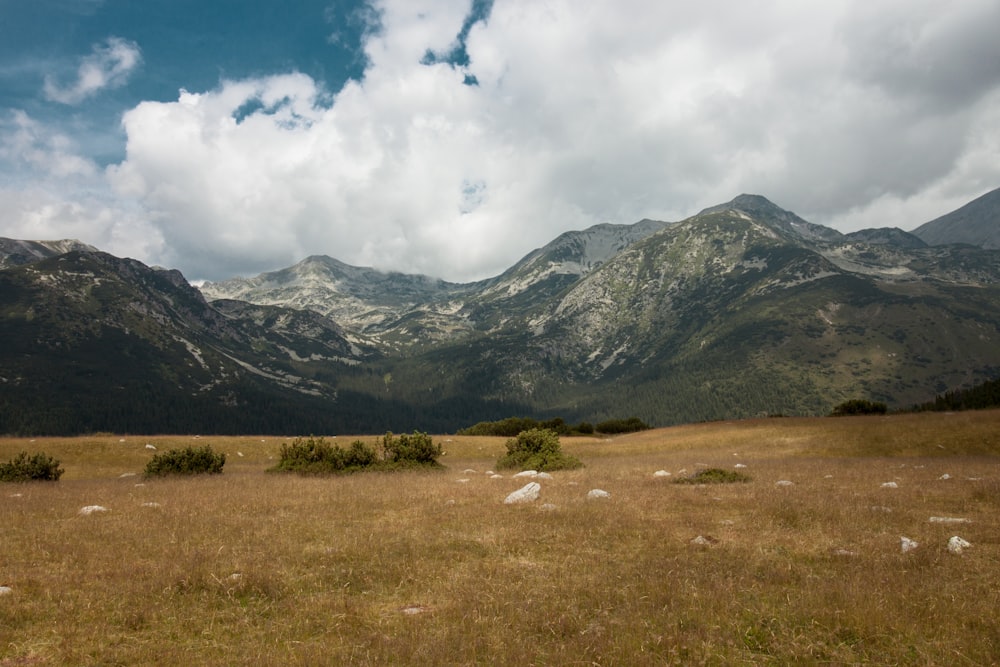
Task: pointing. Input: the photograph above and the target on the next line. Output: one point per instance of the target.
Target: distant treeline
(512, 426)
(979, 397)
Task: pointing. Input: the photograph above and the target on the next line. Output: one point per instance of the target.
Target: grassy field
(433, 568)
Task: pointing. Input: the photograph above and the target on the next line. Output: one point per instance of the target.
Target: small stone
(844, 552)
(126, 474)
(881, 508)
(543, 475)
(6, 590)
(547, 507)
(149, 446)
(151, 504)
(945, 476)
(598, 493)
(739, 465)
(495, 476)
(890, 485)
(240, 454)
(948, 519)
(705, 541)
(661, 473)
(784, 482)
(468, 471)
(91, 509)
(906, 544)
(526, 494)
(464, 480)
(414, 609)
(526, 473)
(956, 544)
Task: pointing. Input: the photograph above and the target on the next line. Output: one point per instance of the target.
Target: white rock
(949, 519)
(661, 473)
(890, 485)
(149, 446)
(543, 475)
(90, 509)
(907, 545)
(956, 544)
(6, 590)
(598, 493)
(495, 476)
(526, 473)
(464, 480)
(151, 504)
(547, 507)
(945, 476)
(468, 471)
(703, 541)
(844, 552)
(526, 494)
(739, 465)
(240, 454)
(127, 474)
(784, 482)
(489, 473)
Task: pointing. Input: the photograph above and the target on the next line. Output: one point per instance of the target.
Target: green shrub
(859, 406)
(24, 468)
(630, 425)
(405, 450)
(714, 476)
(187, 461)
(537, 449)
(315, 456)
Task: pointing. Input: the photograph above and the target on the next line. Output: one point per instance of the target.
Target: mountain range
(744, 309)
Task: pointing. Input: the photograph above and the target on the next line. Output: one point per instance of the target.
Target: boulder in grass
(527, 473)
(92, 509)
(661, 473)
(957, 545)
(6, 590)
(890, 485)
(526, 494)
(598, 493)
(907, 545)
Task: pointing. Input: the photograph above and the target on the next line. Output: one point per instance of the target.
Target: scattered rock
(16, 495)
(469, 471)
(449, 502)
(496, 476)
(827, 476)
(149, 446)
(906, 544)
(413, 609)
(890, 485)
(526, 473)
(547, 507)
(705, 541)
(598, 493)
(151, 504)
(881, 508)
(91, 509)
(489, 473)
(956, 544)
(543, 475)
(526, 494)
(945, 476)
(6, 590)
(844, 552)
(739, 465)
(126, 474)
(784, 482)
(235, 576)
(661, 473)
(949, 519)
(464, 480)
(239, 454)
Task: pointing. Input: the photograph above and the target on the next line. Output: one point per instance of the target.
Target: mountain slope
(977, 223)
(18, 253)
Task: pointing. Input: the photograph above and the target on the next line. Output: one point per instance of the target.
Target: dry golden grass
(422, 568)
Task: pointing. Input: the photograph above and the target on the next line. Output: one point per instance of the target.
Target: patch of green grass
(714, 476)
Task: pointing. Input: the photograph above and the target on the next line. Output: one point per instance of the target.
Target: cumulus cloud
(108, 66)
(849, 113)
(49, 191)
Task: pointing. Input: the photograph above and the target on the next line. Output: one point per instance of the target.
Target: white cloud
(584, 113)
(109, 66)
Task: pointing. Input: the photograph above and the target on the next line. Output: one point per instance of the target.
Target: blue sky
(230, 137)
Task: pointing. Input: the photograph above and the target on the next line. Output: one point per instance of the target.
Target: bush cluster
(630, 425)
(187, 461)
(859, 406)
(316, 456)
(537, 449)
(24, 468)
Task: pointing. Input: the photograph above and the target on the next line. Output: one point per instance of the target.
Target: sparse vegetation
(25, 468)
(537, 449)
(511, 426)
(255, 568)
(187, 461)
(714, 476)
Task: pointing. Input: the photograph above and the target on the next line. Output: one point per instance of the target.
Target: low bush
(713, 476)
(24, 468)
(859, 406)
(537, 449)
(511, 426)
(187, 461)
(630, 425)
(316, 456)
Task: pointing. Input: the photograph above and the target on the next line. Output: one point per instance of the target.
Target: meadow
(432, 568)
